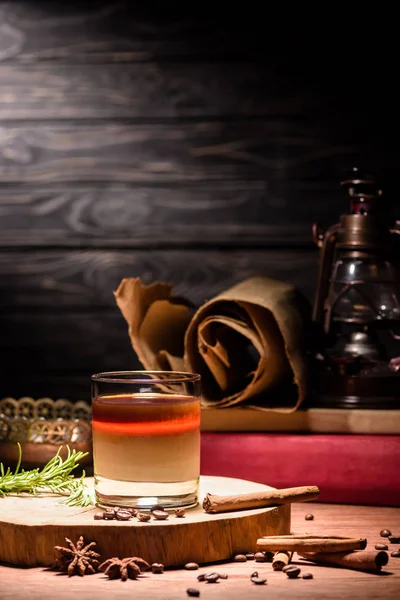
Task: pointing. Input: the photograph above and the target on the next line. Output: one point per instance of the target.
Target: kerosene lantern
(357, 305)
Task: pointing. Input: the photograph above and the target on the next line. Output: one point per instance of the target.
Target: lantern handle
(327, 244)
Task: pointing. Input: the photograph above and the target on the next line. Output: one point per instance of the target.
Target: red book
(350, 469)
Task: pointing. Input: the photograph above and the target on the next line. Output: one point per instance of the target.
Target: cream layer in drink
(146, 437)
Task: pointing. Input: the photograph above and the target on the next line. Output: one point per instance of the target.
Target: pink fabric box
(351, 469)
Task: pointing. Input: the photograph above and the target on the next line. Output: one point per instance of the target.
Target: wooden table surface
(328, 582)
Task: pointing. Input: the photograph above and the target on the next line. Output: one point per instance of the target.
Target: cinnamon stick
(281, 559)
(311, 543)
(216, 504)
(365, 560)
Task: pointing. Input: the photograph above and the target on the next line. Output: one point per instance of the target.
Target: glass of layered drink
(146, 438)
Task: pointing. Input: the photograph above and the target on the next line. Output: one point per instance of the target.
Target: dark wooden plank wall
(172, 146)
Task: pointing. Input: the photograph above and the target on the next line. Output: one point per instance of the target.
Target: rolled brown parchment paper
(246, 343)
(156, 323)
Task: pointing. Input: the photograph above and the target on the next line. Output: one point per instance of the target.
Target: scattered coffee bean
(286, 568)
(308, 576)
(143, 517)
(212, 577)
(133, 511)
(395, 554)
(109, 515)
(309, 517)
(250, 555)
(293, 572)
(394, 539)
(259, 557)
(98, 516)
(157, 568)
(192, 566)
(180, 512)
(381, 547)
(123, 515)
(115, 509)
(160, 515)
(385, 533)
(240, 558)
(193, 592)
(256, 579)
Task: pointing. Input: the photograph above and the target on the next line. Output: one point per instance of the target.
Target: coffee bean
(123, 515)
(240, 558)
(157, 568)
(293, 572)
(98, 516)
(160, 515)
(192, 566)
(385, 533)
(109, 515)
(223, 575)
(287, 567)
(309, 517)
(156, 507)
(308, 576)
(381, 547)
(201, 577)
(193, 592)
(115, 509)
(180, 512)
(212, 577)
(133, 511)
(144, 517)
(395, 554)
(394, 539)
(256, 579)
(250, 555)
(259, 557)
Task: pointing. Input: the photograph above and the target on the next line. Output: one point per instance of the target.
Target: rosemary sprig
(56, 477)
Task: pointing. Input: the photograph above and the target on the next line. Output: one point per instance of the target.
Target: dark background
(172, 143)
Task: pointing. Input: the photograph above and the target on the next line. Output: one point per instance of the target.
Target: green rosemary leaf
(81, 495)
(55, 477)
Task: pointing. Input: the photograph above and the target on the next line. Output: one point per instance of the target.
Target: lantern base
(332, 390)
(362, 402)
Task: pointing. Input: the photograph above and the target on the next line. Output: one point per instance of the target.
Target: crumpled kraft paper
(246, 343)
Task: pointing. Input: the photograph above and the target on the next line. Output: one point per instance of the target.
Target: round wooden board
(30, 527)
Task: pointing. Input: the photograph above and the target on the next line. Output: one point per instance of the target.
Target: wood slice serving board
(30, 527)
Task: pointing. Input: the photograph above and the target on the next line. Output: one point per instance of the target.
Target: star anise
(78, 558)
(131, 567)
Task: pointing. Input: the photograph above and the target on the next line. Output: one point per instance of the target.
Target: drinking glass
(146, 438)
